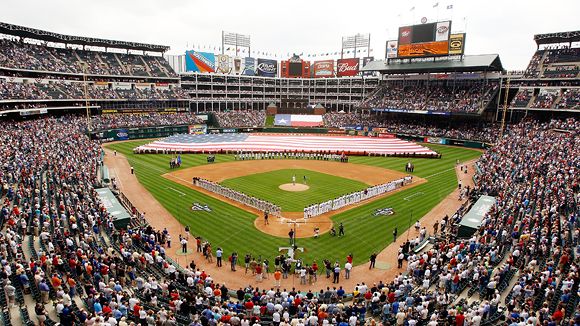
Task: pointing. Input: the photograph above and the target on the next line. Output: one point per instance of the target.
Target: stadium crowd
(28, 56)
(433, 96)
(241, 118)
(554, 62)
(123, 120)
(87, 272)
(467, 131)
(61, 90)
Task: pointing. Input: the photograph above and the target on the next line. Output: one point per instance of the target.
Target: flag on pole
(450, 7)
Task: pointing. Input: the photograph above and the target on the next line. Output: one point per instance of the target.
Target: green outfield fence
(165, 131)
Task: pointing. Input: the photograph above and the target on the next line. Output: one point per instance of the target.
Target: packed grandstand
(64, 260)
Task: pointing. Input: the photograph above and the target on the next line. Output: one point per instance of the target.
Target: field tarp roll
(471, 221)
(121, 217)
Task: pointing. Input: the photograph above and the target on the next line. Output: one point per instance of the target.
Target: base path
(160, 218)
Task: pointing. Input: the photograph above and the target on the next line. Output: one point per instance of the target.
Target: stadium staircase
(120, 64)
(541, 63)
(557, 100)
(531, 101)
(145, 65)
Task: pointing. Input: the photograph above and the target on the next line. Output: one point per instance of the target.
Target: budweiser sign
(347, 67)
(267, 67)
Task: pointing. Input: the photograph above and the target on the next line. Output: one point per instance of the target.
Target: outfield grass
(232, 228)
(322, 187)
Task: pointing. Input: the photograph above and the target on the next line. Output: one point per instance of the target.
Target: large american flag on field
(285, 142)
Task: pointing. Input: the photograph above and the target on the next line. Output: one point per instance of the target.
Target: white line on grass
(182, 193)
(413, 195)
(438, 173)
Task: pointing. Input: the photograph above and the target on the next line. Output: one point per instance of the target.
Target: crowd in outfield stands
(468, 131)
(570, 100)
(556, 99)
(109, 121)
(556, 62)
(433, 96)
(241, 118)
(60, 90)
(27, 56)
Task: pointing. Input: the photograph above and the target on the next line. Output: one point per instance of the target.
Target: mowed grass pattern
(266, 186)
(232, 228)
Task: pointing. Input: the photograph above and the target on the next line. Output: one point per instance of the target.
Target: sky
(309, 27)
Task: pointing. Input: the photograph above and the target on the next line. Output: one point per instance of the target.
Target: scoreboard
(425, 40)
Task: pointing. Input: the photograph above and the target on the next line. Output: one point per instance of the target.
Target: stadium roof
(562, 37)
(470, 63)
(38, 34)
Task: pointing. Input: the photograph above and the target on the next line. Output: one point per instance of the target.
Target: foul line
(182, 193)
(438, 173)
(413, 195)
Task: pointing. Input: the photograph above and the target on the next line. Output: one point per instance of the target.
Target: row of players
(291, 155)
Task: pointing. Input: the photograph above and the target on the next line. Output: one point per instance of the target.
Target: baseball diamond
(227, 224)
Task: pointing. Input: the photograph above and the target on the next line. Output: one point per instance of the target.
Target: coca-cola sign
(267, 67)
(347, 67)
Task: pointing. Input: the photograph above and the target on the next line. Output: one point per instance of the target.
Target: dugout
(471, 221)
(121, 217)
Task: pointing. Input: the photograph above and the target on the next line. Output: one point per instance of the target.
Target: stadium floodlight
(236, 40)
(354, 42)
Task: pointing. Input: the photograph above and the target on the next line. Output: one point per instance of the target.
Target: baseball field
(233, 228)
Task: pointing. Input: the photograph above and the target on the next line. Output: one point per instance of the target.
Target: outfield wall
(165, 131)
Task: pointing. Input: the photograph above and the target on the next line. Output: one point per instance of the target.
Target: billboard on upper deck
(199, 61)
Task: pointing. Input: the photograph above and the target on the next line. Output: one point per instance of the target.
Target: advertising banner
(267, 68)
(199, 61)
(122, 85)
(197, 129)
(442, 31)
(405, 34)
(423, 49)
(366, 60)
(249, 66)
(324, 68)
(457, 43)
(434, 140)
(121, 134)
(392, 49)
(347, 67)
(238, 66)
(223, 64)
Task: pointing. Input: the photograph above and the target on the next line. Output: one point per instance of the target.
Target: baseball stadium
(403, 179)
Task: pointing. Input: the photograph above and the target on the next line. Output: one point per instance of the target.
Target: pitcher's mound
(294, 187)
